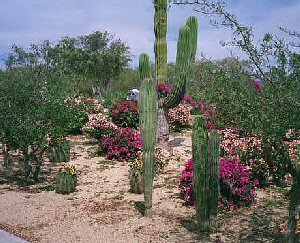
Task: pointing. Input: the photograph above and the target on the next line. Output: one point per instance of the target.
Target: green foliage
(33, 105)
(92, 60)
(112, 96)
(127, 80)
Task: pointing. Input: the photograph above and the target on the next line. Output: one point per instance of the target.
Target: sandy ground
(103, 210)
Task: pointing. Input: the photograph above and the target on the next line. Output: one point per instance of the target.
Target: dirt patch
(103, 210)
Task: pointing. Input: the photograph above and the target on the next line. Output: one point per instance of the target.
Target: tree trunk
(290, 233)
(163, 131)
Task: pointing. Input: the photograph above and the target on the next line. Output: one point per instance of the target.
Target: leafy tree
(92, 60)
(33, 107)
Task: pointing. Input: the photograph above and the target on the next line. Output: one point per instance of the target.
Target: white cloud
(31, 21)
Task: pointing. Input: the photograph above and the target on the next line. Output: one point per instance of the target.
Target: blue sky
(31, 21)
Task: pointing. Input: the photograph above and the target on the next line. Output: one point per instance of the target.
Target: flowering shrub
(236, 188)
(99, 126)
(125, 113)
(179, 117)
(91, 106)
(250, 152)
(294, 150)
(163, 89)
(198, 108)
(186, 187)
(125, 144)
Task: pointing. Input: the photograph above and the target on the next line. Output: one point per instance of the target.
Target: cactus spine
(206, 156)
(148, 120)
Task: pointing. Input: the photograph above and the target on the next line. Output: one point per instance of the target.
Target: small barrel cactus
(66, 180)
(136, 177)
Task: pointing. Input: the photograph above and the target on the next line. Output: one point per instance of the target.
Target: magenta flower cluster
(179, 117)
(206, 111)
(125, 144)
(236, 188)
(257, 85)
(186, 187)
(125, 113)
(163, 89)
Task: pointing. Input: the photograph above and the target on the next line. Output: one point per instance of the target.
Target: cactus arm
(186, 52)
(160, 45)
(192, 22)
(148, 121)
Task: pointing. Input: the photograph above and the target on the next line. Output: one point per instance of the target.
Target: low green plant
(66, 179)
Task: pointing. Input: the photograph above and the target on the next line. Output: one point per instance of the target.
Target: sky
(23, 22)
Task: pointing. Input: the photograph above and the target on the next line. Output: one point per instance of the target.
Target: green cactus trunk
(148, 121)
(206, 156)
(214, 186)
(200, 155)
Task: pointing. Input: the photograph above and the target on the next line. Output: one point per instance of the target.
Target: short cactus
(66, 180)
(206, 156)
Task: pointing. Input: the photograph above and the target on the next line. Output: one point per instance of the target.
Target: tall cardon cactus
(148, 121)
(206, 156)
(186, 51)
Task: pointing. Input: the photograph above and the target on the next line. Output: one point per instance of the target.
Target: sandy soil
(103, 210)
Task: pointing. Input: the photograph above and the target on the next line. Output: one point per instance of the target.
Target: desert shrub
(249, 149)
(111, 96)
(236, 187)
(259, 169)
(186, 187)
(33, 107)
(180, 117)
(125, 144)
(91, 106)
(125, 113)
(80, 117)
(99, 126)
